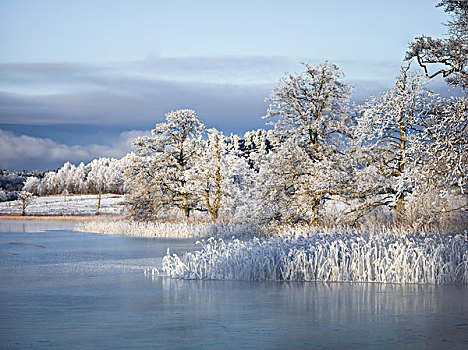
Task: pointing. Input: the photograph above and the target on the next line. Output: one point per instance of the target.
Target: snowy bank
(331, 257)
(166, 229)
(70, 205)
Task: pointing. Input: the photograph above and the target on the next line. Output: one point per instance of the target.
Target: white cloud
(22, 151)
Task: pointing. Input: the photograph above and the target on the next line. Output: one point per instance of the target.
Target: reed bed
(388, 257)
(167, 229)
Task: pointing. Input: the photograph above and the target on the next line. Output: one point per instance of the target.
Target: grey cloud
(141, 102)
(138, 94)
(230, 70)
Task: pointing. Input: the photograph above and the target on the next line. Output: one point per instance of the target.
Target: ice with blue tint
(70, 290)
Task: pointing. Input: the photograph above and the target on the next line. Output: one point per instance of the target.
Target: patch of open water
(64, 289)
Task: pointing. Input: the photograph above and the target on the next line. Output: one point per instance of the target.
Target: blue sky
(84, 77)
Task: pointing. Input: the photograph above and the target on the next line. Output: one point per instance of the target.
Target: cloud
(25, 152)
(136, 94)
(229, 108)
(227, 92)
(217, 70)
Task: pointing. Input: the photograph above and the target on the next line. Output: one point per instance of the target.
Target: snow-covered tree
(25, 199)
(446, 162)
(393, 136)
(79, 178)
(165, 161)
(254, 145)
(441, 184)
(100, 175)
(314, 118)
(218, 175)
(4, 195)
(312, 106)
(145, 198)
(11, 181)
(32, 185)
(96, 180)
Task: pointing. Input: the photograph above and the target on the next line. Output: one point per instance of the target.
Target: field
(71, 205)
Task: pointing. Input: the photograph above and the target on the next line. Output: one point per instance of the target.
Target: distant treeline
(100, 175)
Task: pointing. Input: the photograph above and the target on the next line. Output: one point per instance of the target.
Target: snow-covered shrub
(6, 196)
(389, 257)
(32, 185)
(3, 195)
(437, 210)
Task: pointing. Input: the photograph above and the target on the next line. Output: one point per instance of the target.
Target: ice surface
(26, 226)
(72, 290)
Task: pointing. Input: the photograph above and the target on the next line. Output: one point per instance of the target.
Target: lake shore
(77, 218)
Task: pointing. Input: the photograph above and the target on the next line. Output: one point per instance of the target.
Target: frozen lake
(68, 290)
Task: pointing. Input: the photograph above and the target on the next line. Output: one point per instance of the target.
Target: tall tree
(393, 141)
(168, 157)
(314, 119)
(218, 175)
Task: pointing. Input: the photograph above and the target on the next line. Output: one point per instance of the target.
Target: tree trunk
(315, 213)
(99, 203)
(214, 215)
(24, 207)
(400, 211)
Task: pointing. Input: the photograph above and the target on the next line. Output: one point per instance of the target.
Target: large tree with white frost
(161, 176)
(218, 176)
(312, 120)
(408, 141)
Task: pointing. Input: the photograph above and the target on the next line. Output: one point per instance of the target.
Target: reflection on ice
(27, 226)
(336, 300)
(85, 291)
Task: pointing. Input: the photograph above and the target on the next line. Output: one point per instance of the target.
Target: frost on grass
(331, 257)
(66, 205)
(166, 229)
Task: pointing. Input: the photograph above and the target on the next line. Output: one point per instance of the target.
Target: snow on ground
(389, 257)
(66, 205)
(166, 229)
